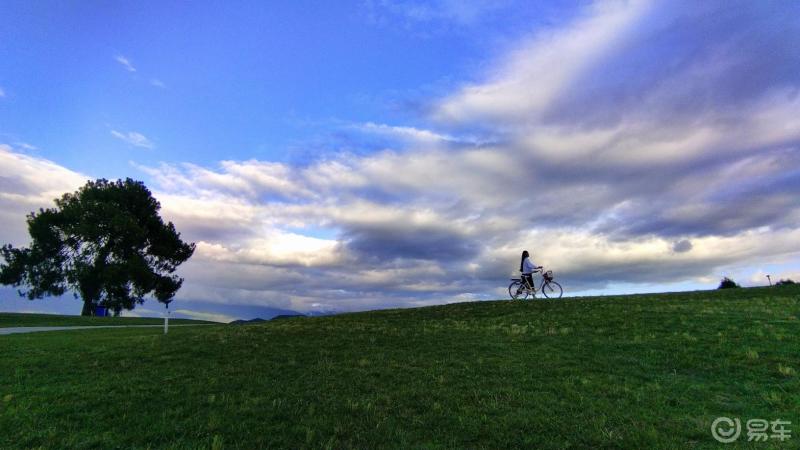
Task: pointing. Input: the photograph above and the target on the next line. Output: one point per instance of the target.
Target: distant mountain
(246, 322)
(264, 314)
(260, 320)
(287, 316)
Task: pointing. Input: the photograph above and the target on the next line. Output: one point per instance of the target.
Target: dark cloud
(727, 198)
(650, 272)
(711, 57)
(682, 246)
(400, 240)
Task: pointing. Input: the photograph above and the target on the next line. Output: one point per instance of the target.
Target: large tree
(105, 242)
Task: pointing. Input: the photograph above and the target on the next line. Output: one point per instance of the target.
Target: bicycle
(550, 288)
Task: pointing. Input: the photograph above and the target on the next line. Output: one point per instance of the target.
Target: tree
(727, 283)
(786, 282)
(105, 242)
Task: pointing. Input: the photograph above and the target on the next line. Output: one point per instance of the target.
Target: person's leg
(523, 284)
(528, 279)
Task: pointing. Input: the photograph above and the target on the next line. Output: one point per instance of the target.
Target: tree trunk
(88, 308)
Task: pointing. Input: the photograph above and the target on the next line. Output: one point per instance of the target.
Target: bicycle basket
(548, 275)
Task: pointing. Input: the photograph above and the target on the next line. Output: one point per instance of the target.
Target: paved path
(15, 330)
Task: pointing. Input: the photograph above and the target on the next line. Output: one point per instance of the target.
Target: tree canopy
(728, 283)
(105, 242)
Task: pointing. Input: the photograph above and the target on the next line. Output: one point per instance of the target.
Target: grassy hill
(54, 320)
(648, 371)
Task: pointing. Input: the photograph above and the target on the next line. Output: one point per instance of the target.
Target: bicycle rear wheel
(551, 289)
(517, 291)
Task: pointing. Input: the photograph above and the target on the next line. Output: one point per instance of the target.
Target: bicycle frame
(532, 287)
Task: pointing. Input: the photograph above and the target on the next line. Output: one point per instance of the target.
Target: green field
(647, 371)
(53, 320)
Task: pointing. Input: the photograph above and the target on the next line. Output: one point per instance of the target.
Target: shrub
(727, 283)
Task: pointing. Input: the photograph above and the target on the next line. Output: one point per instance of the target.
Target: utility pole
(770, 280)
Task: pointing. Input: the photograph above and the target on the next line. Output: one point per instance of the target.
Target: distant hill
(260, 320)
(247, 322)
(287, 316)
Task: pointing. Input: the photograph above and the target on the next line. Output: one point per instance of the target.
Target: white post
(166, 320)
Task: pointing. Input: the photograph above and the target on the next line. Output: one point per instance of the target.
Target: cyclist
(527, 267)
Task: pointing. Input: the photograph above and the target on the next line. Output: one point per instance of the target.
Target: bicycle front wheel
(551, 289)
(517, 291)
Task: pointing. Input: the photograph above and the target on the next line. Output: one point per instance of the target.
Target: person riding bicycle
(527, 267)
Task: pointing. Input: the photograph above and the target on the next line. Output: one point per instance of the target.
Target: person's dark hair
(522, 260)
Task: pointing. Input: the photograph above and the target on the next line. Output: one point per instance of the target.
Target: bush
(727, 283)
(786, 282)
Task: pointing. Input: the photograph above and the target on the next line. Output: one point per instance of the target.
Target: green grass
(53, 320)
(649, 371)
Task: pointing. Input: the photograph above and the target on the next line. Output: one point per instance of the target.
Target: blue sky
(213, 80)
(337, 156)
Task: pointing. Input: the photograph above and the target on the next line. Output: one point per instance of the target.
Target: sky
(346, 156)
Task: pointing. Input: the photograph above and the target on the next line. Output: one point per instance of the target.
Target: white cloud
(2, 93)
(650, 141)
(529, 79)
(25, 146)
(278, 248)
(133, 138)
(36, 180)
(406, 133)
(28, 183)
(158, 83)
(247, 178)
(125, 62)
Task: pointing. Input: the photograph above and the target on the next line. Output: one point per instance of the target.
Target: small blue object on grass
(100, 311)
